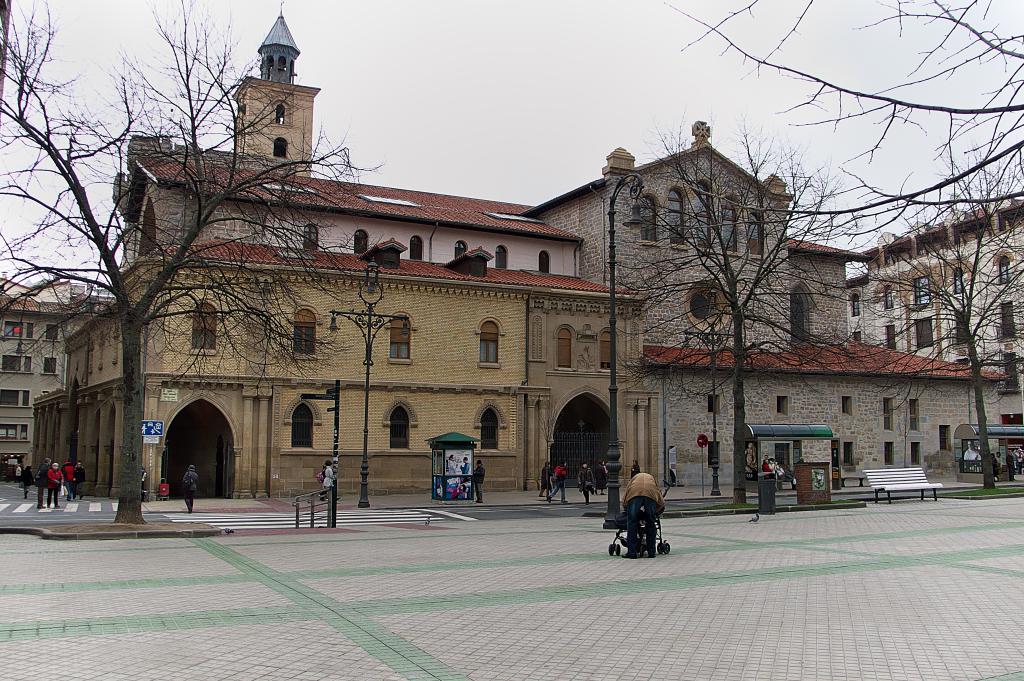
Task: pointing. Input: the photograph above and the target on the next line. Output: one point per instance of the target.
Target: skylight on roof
(384, 199)
(509, 216)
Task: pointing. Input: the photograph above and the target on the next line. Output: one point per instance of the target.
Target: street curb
(44, 533)
(985, 497)
(794, 508)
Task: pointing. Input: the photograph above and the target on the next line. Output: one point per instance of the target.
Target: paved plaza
(909, 591)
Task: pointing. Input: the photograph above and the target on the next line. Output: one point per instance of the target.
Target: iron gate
(578, 448)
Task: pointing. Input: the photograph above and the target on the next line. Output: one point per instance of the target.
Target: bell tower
(275, 115)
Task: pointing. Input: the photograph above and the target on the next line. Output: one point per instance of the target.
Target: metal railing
(315, 502)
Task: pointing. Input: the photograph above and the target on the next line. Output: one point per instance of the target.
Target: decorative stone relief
(537, 337)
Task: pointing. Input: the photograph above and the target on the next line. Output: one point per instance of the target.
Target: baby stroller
(615, 548)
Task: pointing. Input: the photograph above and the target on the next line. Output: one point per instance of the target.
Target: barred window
(302, 426)
(489, 430)
(399, 428)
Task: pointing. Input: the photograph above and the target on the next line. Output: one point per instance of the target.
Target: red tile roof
(801, 246)
(851, 359)
(256, 254)
(347, 198)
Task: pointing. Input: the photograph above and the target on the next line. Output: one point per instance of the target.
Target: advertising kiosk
(451, 467)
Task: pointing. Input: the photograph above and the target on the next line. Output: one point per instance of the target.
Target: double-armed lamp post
(635, 185)
(369, 322)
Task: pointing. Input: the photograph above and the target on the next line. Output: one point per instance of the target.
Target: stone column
(244, 448)
(115, 483)
(261, 455)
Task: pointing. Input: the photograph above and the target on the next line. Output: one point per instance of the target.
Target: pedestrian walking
(635, 470)
(673, 461)
(586, 482)
(68, 473)
(189, 486)
(326, 476)
(54, 479)
(142, 481)
(79, 479)
(17, 472)
(26, 479)
(42, 481)
(545, 480)
(601, 476)
(558, 481)
(478, 481)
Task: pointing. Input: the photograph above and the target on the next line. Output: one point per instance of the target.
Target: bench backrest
(879, 477)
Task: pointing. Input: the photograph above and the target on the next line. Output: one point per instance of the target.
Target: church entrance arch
(200, 435)
(581, 434)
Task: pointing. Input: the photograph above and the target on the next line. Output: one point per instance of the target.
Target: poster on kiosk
(452, 467)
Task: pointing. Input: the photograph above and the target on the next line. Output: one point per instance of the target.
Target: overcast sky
(522, 100)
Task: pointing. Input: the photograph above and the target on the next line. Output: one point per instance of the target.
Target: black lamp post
(635, 185)
(369, 322)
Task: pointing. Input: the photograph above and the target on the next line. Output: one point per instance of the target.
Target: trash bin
(765, 495)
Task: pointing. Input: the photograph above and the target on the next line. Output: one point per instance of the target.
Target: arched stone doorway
(581, 433)
(200, 435)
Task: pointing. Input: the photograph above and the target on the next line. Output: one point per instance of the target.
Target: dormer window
(387, 254)
(473, 263)
(389, 259)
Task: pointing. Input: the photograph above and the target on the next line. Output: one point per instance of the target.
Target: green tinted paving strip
(16, 589)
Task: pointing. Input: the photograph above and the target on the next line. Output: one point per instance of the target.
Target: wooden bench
(859, 477)
(891, 480)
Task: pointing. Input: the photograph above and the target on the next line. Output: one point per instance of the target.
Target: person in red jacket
(69, 479)
(558, 481)
(54, 477)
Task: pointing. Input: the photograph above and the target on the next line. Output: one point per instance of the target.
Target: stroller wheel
(618, 550)
(611, 549)
(661, 547)
(667, 547)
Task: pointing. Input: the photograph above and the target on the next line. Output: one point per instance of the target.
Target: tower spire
(278, 53)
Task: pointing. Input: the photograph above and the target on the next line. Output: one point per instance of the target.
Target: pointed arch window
(415, 248)
(302, 426)
(489, 343)
(399, 428)
(1004, 270)
(604, 349)
(501, 257)
(310, 237)
(649, 218)
(401, 339)
(279, 114)
(488, 429)
(148, 244)
(544, 262)
(280, 148)
(304, 333)
(800, 314)
(563, 352)
(460, 248)
(204, 328)
(675, 217)
(359, 242)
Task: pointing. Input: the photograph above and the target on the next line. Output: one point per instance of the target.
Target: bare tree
(738, 268)
(949, 287)
(190, 241)
(964, 87)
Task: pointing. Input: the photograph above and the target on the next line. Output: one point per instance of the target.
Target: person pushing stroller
(643, 501)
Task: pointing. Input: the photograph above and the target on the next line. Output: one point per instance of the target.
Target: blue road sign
(152, 427)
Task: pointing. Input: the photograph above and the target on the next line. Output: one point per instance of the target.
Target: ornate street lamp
(369, 322)
(635, 185)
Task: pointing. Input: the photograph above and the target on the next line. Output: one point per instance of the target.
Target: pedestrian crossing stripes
(65, 507)
(264, 521)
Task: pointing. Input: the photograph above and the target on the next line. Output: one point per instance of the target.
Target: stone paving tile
(31, 607)
(311, 650)
(910, 626)
(69, 566)
(514, 577)
(980, 538)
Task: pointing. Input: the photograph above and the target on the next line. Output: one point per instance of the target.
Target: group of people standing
(53, 480)
(588, 480)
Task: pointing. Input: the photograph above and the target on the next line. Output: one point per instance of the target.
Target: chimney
(620, 162)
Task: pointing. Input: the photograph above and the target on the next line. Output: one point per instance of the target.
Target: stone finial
(620, 162)
(775, 185)
(701, 134)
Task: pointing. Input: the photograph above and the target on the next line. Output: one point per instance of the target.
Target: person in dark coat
(585, 481)
(41, 481)
(478, 481)
(601, 477)
(545, 480)
(26, 479)
(79, 479)
(189, 486)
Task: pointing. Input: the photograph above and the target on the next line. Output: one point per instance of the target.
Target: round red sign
(702, 440)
